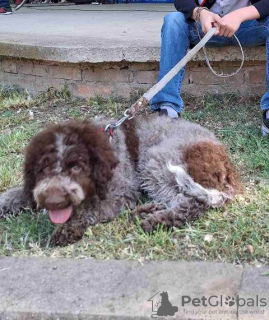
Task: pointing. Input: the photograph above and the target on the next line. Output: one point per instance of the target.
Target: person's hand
(208, 20)
(229, 24)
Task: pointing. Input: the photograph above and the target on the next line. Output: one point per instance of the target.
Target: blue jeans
(4, 4)
(178, 35)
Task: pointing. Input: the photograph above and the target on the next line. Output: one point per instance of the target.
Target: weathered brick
(203, 76)
(32, 68)
(9, 66)
(108, 66)
(123, 90)
(51, 71)
(256, 76)
(82, 90)
(146, 77)
(143, 66)
(121, 79)
(102, 90)
(253, 63)
(244, 90)
(19, 80)
(111, 75)
(64, 72)
(87, 90)
(44, 83)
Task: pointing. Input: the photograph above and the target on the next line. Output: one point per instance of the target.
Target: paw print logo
(229, 301)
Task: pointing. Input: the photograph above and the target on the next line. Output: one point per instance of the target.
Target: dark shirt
(187, 6)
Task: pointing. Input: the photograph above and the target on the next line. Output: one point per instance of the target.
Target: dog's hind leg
(13, 201)
(171, 217)
(187, 200)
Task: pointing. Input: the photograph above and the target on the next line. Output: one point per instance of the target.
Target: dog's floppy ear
(101, 154)
(104, 163)
(29, 173)
(32, 155)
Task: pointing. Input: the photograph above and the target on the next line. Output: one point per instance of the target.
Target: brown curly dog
(73, 171)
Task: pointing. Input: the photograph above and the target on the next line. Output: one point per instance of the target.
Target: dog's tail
(189, 188)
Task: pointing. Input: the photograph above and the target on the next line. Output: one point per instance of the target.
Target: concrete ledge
(113, 53)
(43, 288)
(79, 54)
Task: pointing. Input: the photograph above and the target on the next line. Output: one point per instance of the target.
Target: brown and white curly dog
(73, 171)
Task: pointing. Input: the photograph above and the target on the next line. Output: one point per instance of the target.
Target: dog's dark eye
(74, 167)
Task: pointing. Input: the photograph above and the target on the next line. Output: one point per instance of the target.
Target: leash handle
(221, 75)
(144, 100)
(226, 75)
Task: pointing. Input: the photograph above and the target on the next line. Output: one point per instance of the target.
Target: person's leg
(175, 43)
(265, 98)
(251, 34)
(177, 35)
(5, 7)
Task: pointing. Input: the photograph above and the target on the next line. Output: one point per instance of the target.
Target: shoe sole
(6, 13)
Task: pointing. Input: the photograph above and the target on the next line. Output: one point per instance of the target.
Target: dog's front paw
(6, 207)
(4, 210)
(64, 235)
(218, 199)
(12, 202)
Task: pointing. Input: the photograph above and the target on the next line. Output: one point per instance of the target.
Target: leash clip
(109, 130)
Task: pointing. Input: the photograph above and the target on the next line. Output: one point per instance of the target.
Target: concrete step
(45, 288)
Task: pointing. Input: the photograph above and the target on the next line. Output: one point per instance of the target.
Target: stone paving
(47, 288)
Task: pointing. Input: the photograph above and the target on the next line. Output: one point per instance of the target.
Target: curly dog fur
(73, 171)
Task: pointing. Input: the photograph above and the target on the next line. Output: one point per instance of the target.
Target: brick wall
(121, 79)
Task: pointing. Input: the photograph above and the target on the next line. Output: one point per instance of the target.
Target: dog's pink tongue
(60, 216)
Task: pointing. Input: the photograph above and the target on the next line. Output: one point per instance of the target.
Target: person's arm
(186, 7)
(230, 23)
(263, 8)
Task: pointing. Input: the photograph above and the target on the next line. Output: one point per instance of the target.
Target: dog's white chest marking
(60, 147)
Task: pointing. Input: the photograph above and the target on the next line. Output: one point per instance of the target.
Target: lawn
(238, 233)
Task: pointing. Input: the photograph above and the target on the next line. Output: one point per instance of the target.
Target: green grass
(237, 233)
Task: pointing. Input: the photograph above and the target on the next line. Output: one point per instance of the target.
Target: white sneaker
(5, 12)
(265, 124)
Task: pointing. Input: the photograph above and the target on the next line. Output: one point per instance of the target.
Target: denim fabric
(178, 35)
(4, 4)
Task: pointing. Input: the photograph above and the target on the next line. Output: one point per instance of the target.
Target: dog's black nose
(56, 201)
